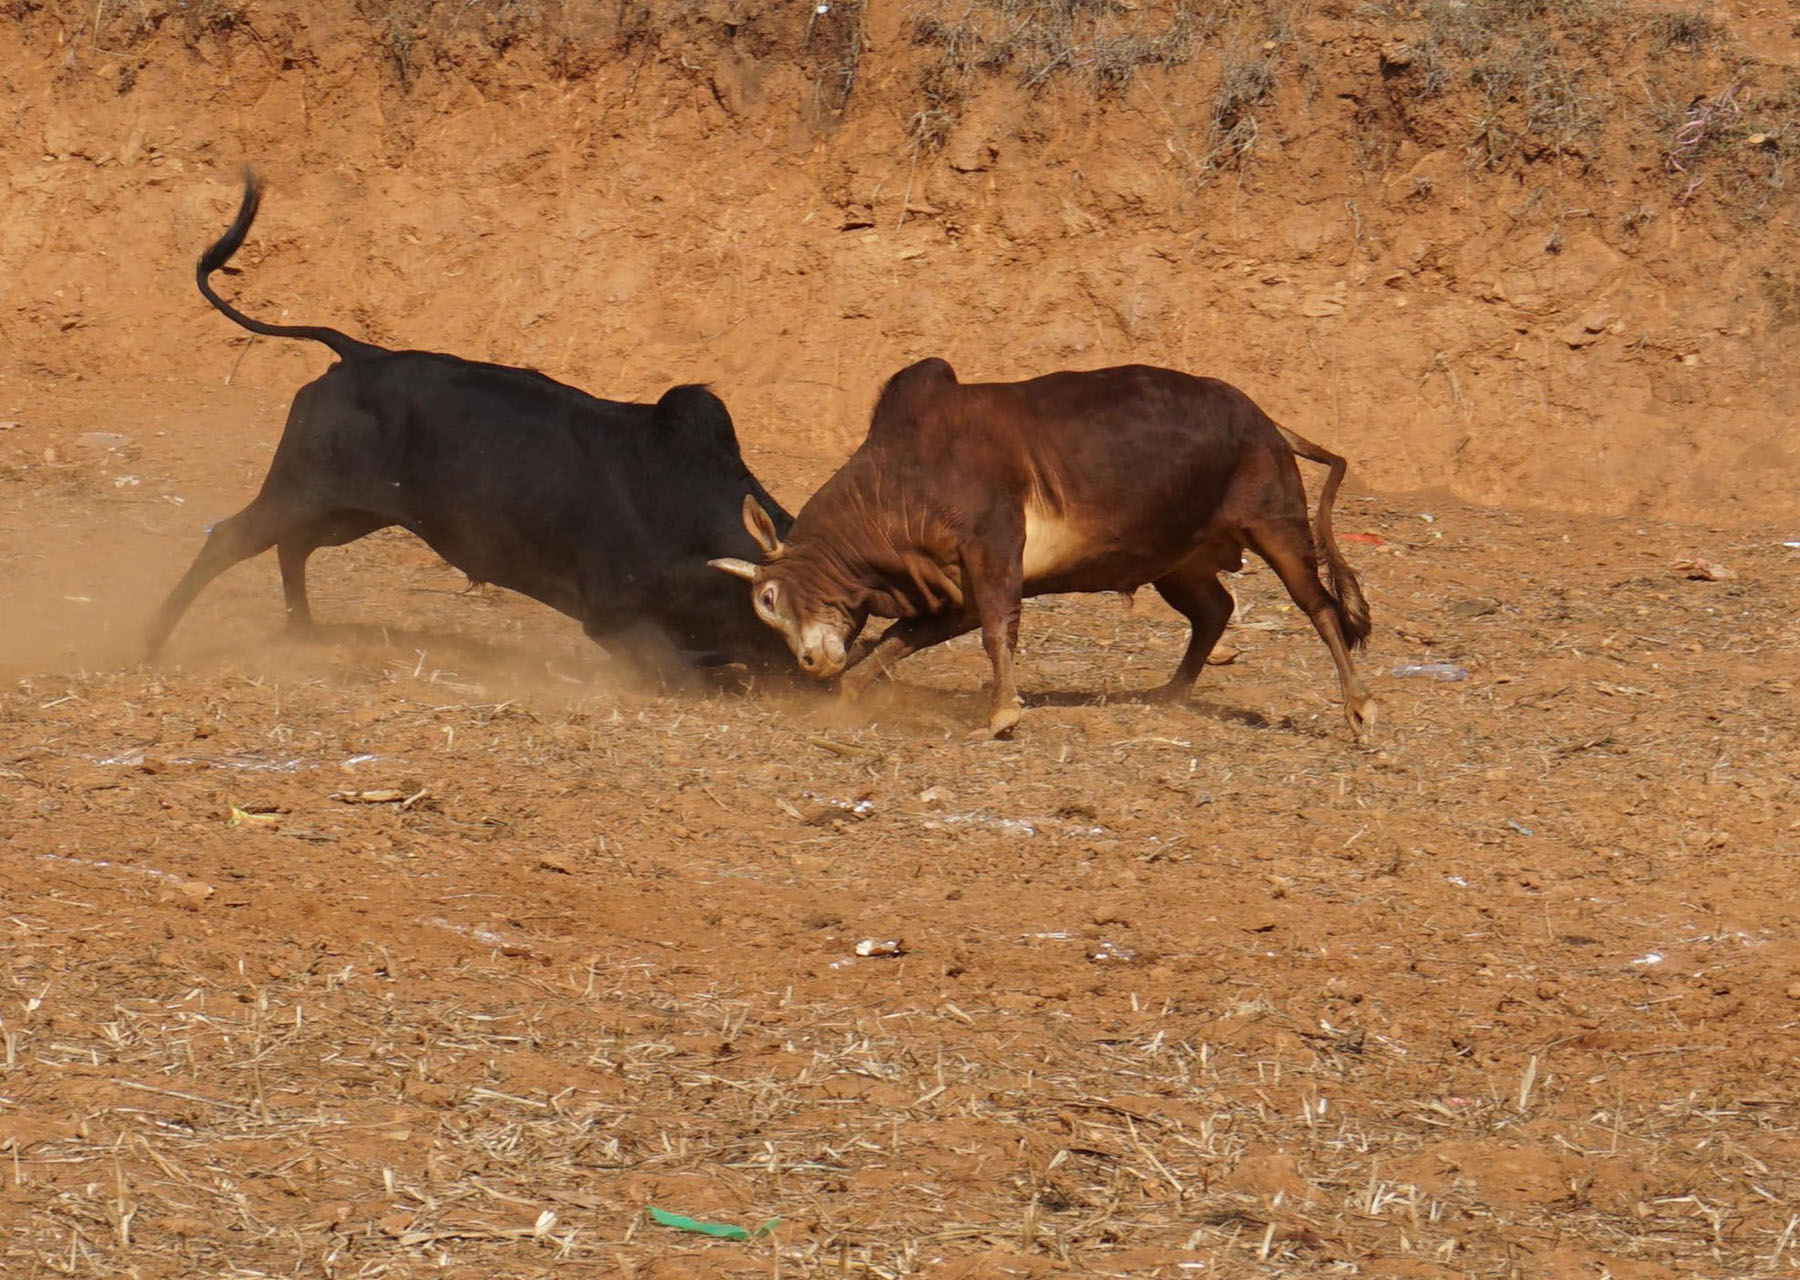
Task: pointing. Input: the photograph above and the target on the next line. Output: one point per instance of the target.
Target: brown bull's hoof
(1003, 718)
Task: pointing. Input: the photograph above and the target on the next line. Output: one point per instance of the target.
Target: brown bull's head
(818, 622)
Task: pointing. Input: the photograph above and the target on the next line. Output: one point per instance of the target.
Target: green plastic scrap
(718, 1230)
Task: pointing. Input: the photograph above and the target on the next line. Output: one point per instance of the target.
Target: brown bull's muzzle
(821, 651)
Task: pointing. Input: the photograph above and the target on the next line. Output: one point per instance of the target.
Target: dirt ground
(447, 945)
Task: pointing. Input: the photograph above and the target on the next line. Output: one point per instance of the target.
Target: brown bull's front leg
(994, 568)
(907, 636)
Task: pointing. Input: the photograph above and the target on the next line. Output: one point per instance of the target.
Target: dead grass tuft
(1690, 30)
(1104, 46)
(1244, 82)
(1731, 144)
(1528, 61)
(1101, 42)
(833, 48)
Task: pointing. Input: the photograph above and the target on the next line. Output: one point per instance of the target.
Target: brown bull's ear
(736, 568)
(761, 527)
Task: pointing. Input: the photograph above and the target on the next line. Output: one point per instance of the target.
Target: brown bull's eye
(767, 600)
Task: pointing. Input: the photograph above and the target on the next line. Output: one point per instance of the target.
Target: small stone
(1549, 990)
(1579, 335)
(1397, 56)
(1793, 991)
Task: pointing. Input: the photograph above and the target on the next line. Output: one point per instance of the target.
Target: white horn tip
(736, 568)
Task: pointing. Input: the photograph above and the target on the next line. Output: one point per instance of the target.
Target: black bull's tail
(1353, 608)
(220, 253)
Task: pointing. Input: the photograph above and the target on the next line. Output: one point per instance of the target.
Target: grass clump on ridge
(1103, 44)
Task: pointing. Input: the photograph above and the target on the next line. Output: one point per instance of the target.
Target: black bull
(607, 512)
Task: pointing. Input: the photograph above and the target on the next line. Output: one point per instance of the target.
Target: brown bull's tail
(220, 253)
(1353, 607)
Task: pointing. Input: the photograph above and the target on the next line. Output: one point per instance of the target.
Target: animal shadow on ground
(641, 657)
(1179, 707)
(958, 708)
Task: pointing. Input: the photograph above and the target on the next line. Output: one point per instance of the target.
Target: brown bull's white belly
(1088, 550)
(1054, 544)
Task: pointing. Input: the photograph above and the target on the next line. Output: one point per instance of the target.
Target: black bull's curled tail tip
(1353, 606)
(220, 253)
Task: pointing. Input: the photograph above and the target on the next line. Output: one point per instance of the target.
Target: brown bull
(966, 498)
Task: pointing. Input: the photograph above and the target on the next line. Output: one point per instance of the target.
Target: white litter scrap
(245, 764)
(860, 808)
(980, 818)
(102, 864)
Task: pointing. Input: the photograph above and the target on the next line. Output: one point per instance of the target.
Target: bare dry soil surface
(445, 946)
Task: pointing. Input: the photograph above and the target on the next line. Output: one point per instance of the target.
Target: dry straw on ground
(1200, 985)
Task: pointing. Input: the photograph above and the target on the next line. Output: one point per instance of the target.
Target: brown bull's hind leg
(1197, 594)
(1288, 547)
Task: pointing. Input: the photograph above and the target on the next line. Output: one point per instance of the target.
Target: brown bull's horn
(736, 568)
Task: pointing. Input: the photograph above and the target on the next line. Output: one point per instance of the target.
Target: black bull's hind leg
(250, 532)
(297, 545)
(269, 521)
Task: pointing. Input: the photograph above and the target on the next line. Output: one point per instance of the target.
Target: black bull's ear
(761, 527)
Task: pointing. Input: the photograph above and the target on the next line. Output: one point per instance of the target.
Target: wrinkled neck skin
(850, 549)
